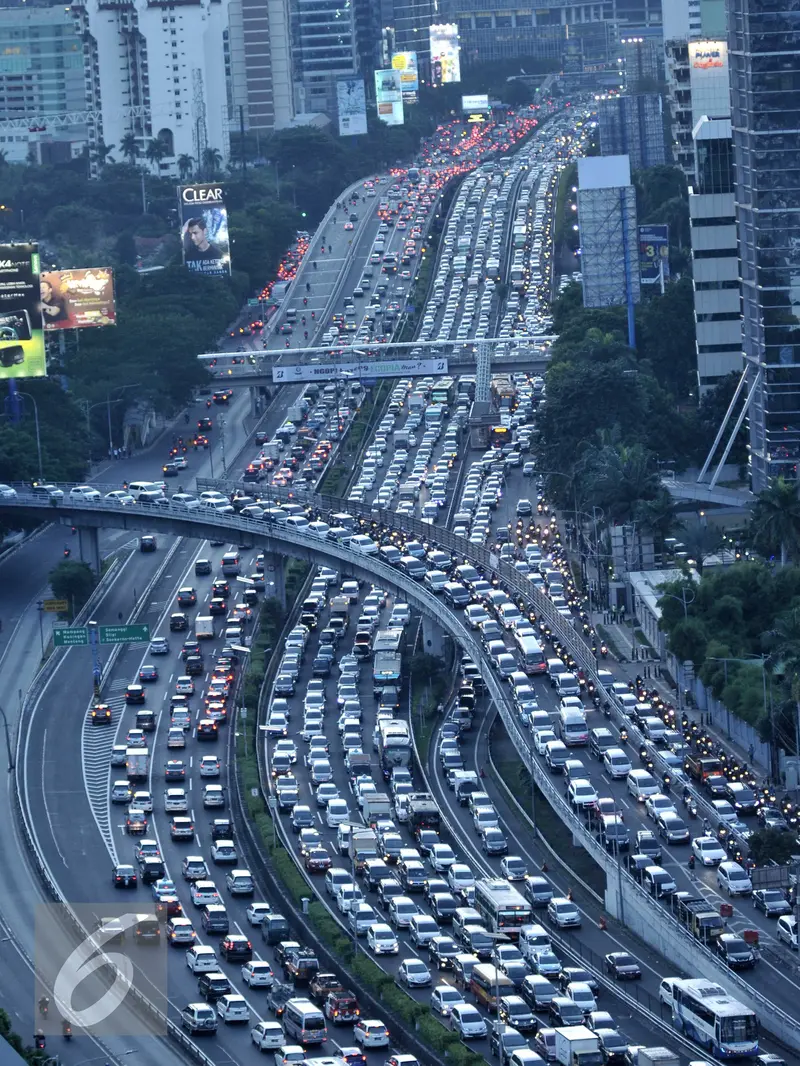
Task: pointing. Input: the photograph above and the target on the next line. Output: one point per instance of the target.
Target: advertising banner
(76, 299)
(475, 103)
(445, 53)
(406, 64)
(708, 79)
(389, 97)
(653, 254)
(352, 105)
(378, 368)
(204, 230)
(21, 334)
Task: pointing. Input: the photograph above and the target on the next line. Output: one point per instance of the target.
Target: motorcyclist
(44, 1005)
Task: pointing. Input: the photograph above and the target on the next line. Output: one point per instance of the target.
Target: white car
(347, 896)
(786, 930)
(121, 497)
(84, 492)
(467, 1021)
(371, 1033)
(7, 493)
(659, 804)
(209, 766)
(233, 1008)
(267, 1036)
(381, 939)
(442, 858)
(184, 686)
(256, 974)
(541, 738)
(444, 998)
(257, 912)
(201, 959)
(175, 800)
(709, 851)
(414, 973)
(143, 801)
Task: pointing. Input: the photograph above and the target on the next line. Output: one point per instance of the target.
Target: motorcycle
(66, 1030)
(39, 1040)
(603, 651)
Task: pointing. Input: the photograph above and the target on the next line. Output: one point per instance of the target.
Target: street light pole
(119, 388)
(38, 437)
(8, 739)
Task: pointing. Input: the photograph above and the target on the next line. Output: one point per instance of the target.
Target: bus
(531, 656)
(502, 908)
(413, 175)
(518, 277)
(705, 1013)
(499, 435)
(394, 743)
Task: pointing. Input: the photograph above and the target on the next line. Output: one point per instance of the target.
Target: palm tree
(701, 542)
(212, 160)
(155, 152)
(775, 520)
(3, 157)
(185, 165)
(619, 477)
(129, 147)
(785, 655)
(102, 153)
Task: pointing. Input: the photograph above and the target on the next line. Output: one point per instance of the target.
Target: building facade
(764, 54)
(324, 49)
(156, 69)
(633, 126)
(41, 73)
(260, 65)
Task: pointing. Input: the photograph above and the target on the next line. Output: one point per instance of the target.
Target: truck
(377, 805)
(577, 1046)
(363, 845)
(340, 610)
(657, 1056)
(402, 440)
(295, 414)
(433, 416)
(388, 639)
(271, 450)
(698, 915)
(387, 667)
(416, 402)
(204, 627)
(137, 764)
(702, 766)
(423, 811)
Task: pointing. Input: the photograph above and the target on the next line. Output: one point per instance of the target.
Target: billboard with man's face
(21, 336)
(76, 299)
(204, 230)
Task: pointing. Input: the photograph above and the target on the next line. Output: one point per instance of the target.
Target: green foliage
(776, 521)
(771, 845)
(73, 582)
(35, 1058)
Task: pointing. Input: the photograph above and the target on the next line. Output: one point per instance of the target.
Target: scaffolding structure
(633, 126)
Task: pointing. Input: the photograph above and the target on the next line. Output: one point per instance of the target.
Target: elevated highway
(773, 1000)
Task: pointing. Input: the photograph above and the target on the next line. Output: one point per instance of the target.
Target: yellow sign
(55, 606)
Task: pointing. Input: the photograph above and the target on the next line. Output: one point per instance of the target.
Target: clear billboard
(406, 64)
(77, 299)
(475, 103)
(445, 53)
(22, 353)
(352, 106)
(204, 230)
(653, 254)
(389, 97)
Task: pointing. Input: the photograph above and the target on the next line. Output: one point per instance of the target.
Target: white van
(137, 488)
(573, 727)
(304, 1022)
(509, 615)
(533, 938)
(642, 784)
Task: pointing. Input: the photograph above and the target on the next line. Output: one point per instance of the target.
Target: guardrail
(781, 1024)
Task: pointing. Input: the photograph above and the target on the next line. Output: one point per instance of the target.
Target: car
(236, 947)
(382, 939)
(772, 902)
(267, 1036)
(148, 672)
(257, 912)
(123, 876)
(708, 851)
(233, 1008)
(563, 913)
(622, 966)
(786, 931)
(369, 1033)
(467, 1022)
(100, 714)
(442, 950)
(159, 646)
(513, 868)
(414, 973)
(443, 998)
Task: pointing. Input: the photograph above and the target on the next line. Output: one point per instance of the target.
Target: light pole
(36, 420)
(8, 739)
(500, 938)
(119, 388)
(98, 1058)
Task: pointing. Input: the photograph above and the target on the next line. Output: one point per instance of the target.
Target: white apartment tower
(156, 69)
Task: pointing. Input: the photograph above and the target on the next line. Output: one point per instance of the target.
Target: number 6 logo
(86, 960)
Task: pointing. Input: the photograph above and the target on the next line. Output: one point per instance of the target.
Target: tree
(102, 153)
(700, 542)
(212, 161)
(185, 165)
(73, 582)
(129, 146)
(689, 640)
(784, 658)
(776, 520)
(771, 845)
(155, 152)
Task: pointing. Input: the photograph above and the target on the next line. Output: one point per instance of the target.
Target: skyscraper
(764, 56)
(323, 36)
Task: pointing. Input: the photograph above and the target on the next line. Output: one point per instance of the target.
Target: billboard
(445, 53)
(204, 230)
(351, 103)
(21, 334)
(653, 254)
(708, 78)
(475, 103)
(377, 368)
(76, 299)
(389, 97)
(406, 64)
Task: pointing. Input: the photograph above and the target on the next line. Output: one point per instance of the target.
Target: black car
(123, 876)
(646, 843)
(178, 622)
(772, 902)
(202, 567)
(321, 667)
(174, 770)
(147, 543)
(190, 647)
(151, 869)
(716, 785)
(220, 587)
(236, 948)
(612, 1046)
(577, 973)
(213, 985)
(134, 693)
(622, 966)
(222, 829)
(194, 666)
(735, 952)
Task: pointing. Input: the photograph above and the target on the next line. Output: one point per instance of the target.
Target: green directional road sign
(69, 638)
(124, 634)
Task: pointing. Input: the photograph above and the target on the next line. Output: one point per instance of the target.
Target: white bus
(518, 277)
(394, 743)
(705, 1013)
(503, 909)
(531, 656)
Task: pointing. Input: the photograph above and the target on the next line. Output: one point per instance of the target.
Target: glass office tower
(764, 56)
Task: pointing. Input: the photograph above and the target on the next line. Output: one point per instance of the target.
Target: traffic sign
(124, 634)
(253, 301)
(55, 606)
(70, 638)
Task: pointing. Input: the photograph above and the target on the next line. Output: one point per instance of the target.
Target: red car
(317, 861)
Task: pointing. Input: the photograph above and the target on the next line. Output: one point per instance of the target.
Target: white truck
(577, 1046)
(137, 764)
(375, 806)
(204, 627)
(295, 414)
(657, 1056)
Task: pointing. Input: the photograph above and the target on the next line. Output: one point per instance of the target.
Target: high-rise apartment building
(41, 73)
(156, 69)
(259, 71)
(324, 49)
(764, 55)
